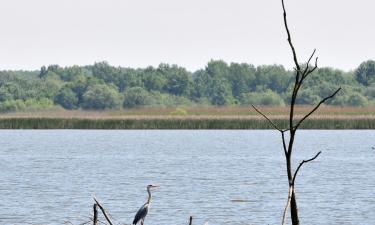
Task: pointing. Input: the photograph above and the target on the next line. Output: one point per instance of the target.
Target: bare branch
(268, 119)
(307, 71)
(316, 108)
(191, 220)
(103, 211)
(313, 69)
(290, 39)
(301, 164)
(308, 63)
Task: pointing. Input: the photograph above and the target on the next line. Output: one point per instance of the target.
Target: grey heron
(142, 212)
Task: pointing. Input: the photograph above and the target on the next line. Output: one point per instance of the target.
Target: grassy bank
(190, 118)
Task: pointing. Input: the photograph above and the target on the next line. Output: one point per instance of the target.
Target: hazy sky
(138, 33)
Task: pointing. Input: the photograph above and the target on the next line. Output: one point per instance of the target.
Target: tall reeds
(189, 122)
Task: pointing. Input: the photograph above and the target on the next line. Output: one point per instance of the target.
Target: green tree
(101, 96)
(154, 80)
(221, 93)
(365, 73)
(178, 79)
(136, 96)
(356, 99)
(105, 72)
(130, 78)
(307, 97)
(67, 98)
(241, 76)
(217, 68)
(201, 83)
(43, 72)
(273, 77)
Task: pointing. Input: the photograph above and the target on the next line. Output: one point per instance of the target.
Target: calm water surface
(225, 177)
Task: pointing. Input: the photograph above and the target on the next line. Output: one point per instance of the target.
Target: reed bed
(195, 118)
(207, 122)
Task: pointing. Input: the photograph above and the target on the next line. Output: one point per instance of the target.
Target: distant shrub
(162, 99)
(29, 104)
(262, 98)
(135, 97)
(179, 112)
(12, 106)
(357, 99)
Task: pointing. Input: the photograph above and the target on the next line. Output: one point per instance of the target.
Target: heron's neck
(149, 196)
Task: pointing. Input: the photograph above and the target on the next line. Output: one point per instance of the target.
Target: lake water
(224, 177)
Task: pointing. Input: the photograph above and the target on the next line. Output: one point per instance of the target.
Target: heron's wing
(141, 214)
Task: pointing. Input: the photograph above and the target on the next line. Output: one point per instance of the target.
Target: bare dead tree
(301, 73)
(95, 217)
(191, 220)
(104, 211)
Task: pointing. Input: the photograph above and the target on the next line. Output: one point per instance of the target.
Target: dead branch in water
(95, 217)
(104, 211)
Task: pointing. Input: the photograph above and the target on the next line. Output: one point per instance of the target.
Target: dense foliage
(101, 86)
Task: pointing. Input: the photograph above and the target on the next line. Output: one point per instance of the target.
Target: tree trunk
(294, 209)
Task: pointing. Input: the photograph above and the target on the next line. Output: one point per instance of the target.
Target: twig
(316, 108)
(268, 119)
(313, 69)
(300, 165)
(103, 211)
(308, 62)
(290, 39)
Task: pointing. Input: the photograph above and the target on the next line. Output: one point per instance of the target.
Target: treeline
(102, 86)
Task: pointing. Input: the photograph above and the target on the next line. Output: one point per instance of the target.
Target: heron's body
(142, 212)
